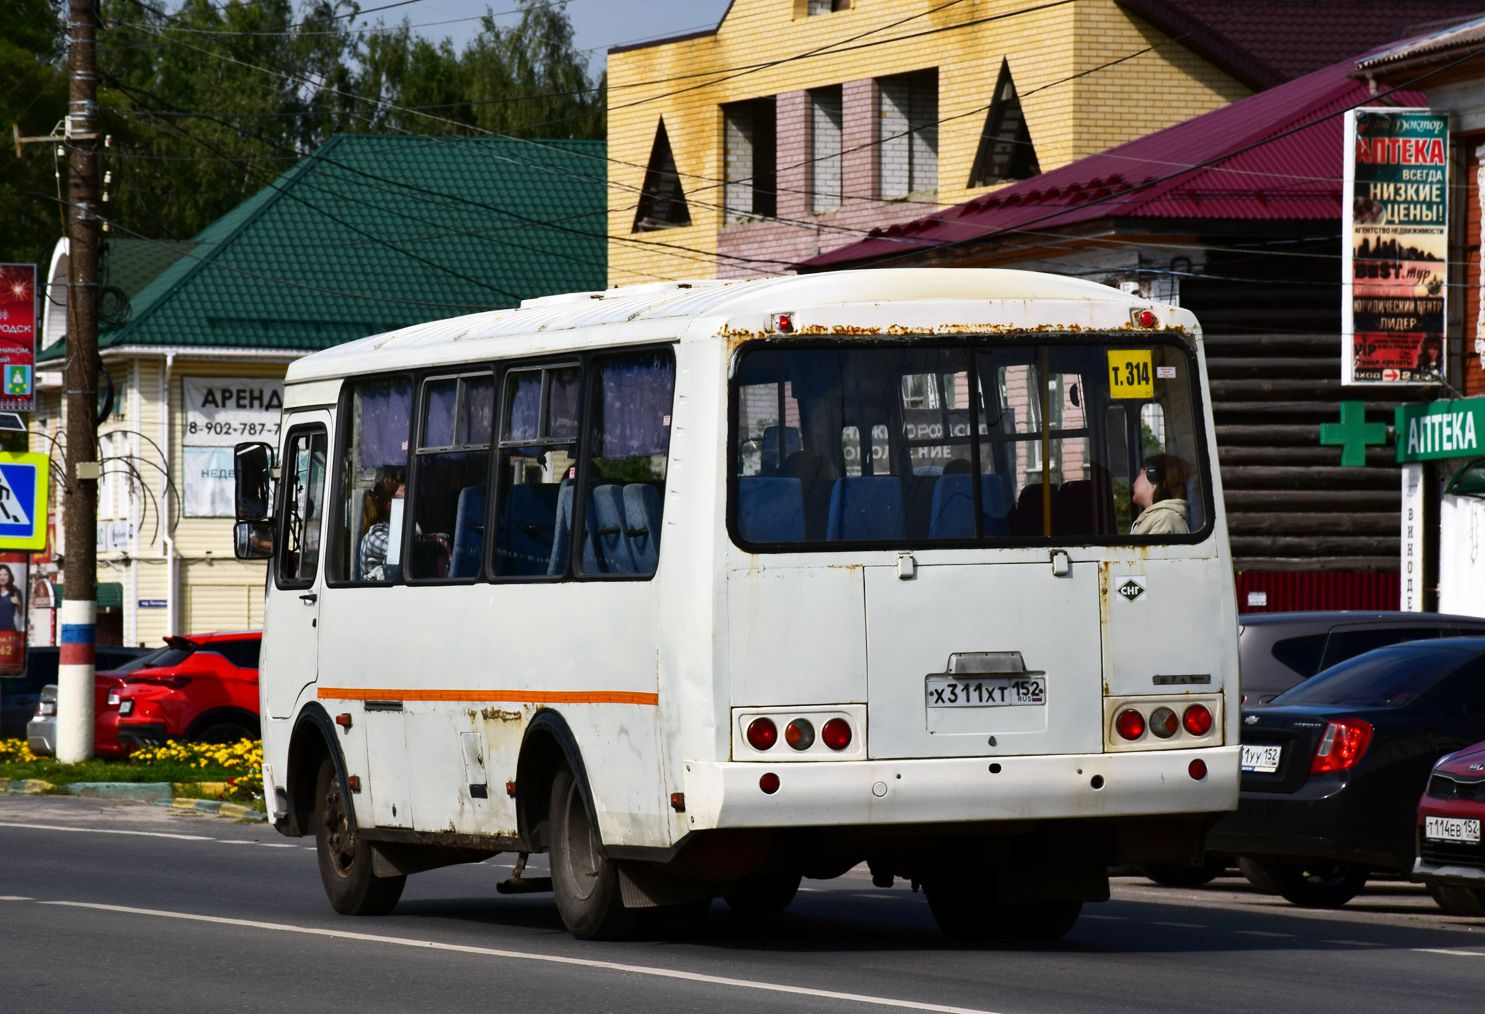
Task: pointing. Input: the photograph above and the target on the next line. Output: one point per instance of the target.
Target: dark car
(1279, 651)
(1332, 769)
(19, 695)
(1451, 815)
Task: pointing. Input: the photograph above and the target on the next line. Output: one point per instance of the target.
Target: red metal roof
(1294, 176)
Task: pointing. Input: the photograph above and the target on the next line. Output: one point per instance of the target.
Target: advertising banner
(1394, 235)
(222, 412)
(17, 337)
(1440, 429)
(14, 581)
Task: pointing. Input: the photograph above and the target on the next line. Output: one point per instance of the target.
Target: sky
(597, 24)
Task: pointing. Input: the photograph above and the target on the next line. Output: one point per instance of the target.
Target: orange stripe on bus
(491, 696)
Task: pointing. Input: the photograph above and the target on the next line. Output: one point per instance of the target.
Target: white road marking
(1110, 918)
(1181, 925)
(14, 897)
(1354, 943)
(1264, 933)
(110, 830)
(1444, 950)
(492, 952)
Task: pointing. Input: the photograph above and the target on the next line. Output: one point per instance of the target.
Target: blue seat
(770, 509)
(865, 507)
(643, 510)
(562, 536)
(528, 522)
(469, 532)
(606, 522)
(953, 511)
(1193, 498)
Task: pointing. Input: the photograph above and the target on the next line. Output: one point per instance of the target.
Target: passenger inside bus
(1160, 493)
(874, 445)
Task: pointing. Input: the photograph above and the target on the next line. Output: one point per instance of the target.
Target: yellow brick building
(798, 125)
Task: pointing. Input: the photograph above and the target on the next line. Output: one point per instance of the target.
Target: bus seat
(772, 462)
(953, 507)
(1193, 500)
(526, 528)
(865, 507)
(562, 536)
(643, 506)
(469, 532)
(606, 522)
(1072, 508)
(1027, 521)
(770, 509)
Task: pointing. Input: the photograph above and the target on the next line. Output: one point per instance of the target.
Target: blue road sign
(23, 501)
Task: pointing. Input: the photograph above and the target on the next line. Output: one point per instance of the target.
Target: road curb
(234, 810)
(144, 792)
(25, 786)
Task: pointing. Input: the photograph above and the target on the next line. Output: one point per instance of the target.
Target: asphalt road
(117, 906)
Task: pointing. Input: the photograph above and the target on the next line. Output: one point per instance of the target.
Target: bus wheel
(1046, 920)
(966, 910)
(345, 858)
(758, 893)
(585, 882)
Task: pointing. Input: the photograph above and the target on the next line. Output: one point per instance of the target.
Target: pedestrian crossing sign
(23, 501)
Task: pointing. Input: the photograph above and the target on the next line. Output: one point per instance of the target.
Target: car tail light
(836, 734)
(1130, 723)
(1341, 745)
(1198, 720)
(762, 733)
(113, 699)
(1164, 723)
(800, 734)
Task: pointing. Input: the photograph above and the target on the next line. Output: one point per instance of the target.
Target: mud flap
(645, 885)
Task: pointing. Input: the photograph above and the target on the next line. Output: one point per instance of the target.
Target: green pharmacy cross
(1353, 433)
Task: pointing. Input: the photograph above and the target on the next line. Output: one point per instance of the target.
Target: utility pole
(80, 491)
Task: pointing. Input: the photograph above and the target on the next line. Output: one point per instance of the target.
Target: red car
(203, 687)
(1451, 854)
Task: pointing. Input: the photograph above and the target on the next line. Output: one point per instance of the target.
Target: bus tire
(345, 857)
(584, 880)
(967, 910)
(759, 894)
(1046, 920)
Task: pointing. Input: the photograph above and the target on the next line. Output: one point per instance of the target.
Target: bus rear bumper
(728, 794)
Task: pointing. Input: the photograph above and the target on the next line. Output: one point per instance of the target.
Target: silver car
(41, 731)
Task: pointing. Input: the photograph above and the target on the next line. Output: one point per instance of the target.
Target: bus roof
(848, 303)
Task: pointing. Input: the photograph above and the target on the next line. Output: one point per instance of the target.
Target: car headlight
(113, 698)
(126, 707)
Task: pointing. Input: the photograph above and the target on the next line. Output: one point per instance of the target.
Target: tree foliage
(209, 101)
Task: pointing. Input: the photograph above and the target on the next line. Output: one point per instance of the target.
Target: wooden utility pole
(80, 491)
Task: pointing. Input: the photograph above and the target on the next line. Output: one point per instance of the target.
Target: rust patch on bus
(498, 715)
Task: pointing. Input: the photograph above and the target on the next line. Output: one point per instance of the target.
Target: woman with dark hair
(1160, 493)
(375, 525)
(12, 612)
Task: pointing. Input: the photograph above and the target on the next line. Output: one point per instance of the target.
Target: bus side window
(304, 504)
(373, 477)
(629, 447)
(448, 505)
(536, 464)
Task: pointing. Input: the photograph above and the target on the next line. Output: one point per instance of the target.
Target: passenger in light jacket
(1160, 493)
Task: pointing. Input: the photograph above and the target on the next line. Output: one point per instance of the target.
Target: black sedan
(1332, 769)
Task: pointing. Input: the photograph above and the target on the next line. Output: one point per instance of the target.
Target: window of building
(907, 137)
(629, 448)
(825, 155)
(1006, 152)
(814, 7)
(537, 466)
(662, 201)
(448, 504)
(372, 480)
(750, 156)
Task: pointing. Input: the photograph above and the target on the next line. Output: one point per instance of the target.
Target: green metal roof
(374, 232)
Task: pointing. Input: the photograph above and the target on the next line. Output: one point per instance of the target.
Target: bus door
(291, 649)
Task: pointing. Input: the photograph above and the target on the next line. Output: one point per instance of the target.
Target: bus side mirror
(252, 540)
(253, 467)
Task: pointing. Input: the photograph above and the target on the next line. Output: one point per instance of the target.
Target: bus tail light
(1130, 723)
(1198, 720)
(800, 734)
(762, 733)
(836, 734)
(1341, 745)
(1164, 723)
(1197, 769)
(769, 783)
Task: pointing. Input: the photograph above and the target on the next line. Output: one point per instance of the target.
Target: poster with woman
(14, 580)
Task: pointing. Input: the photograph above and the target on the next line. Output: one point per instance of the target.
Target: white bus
(923, 569)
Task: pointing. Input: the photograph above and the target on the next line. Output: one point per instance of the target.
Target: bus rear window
(893, 446)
